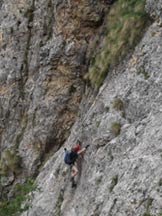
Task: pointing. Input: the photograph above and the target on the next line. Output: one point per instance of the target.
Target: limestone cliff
(43, 46)
(47, 50)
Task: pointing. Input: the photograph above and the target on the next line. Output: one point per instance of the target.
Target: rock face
(154, 8)
(42, 65)
(121, 175)
(42, 62)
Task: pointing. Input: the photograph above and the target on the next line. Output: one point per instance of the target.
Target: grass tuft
(144, 73)
(115, 128)
(125, 24)
(114, 182)
(118, 104)
(10, 162)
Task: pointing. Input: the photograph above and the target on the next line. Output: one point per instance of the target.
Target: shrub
(118, 104)
(10, 162)
(114, 182)
(123, 114)
(29, 14)
(98, 180)
(115, 128)
(144, 73)
(14, 206)
(107, 108)
(160, 182)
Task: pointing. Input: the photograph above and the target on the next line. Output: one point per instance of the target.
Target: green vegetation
(123, 114)
(107, 108)
(147, 214)
(98, 123)
(24, 121)
(97, 146)
(97, 211)
(111, 157)
(114, 182)
(34, 118)
(11, 30)
(148, 205)
(115, 128)
(160, 182)
(72, 89)
(144, 73)
(118, 104)
(67, 133)
(126, 22)
(98, 180)
(10, 162)
(14, 206)
(59, 203)
(29, 14)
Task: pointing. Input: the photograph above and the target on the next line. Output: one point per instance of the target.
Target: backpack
(70, 157)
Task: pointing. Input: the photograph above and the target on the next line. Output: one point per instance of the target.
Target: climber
(71, 157)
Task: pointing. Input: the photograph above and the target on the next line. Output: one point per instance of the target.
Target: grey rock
(7, 180)
(120, 175)
(42, 61)
(154, 8)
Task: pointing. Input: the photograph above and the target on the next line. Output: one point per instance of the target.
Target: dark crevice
(48, 22)
(24, 70)
(1, 3)
(92, 23)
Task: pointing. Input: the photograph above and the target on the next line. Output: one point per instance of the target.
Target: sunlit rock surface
(45, 107)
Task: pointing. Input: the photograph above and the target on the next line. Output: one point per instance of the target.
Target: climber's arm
(82, 151)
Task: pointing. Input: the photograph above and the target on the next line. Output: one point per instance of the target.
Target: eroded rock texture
(44, 55)
(43, 46)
